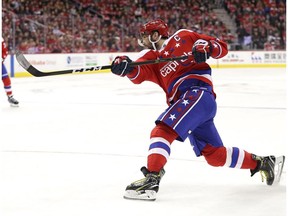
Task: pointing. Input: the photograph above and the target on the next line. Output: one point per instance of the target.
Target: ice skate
(270, 168)
(146, 188)
(13, 102)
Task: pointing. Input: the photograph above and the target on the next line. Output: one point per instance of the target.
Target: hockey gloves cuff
(201, 50)
(121, 67)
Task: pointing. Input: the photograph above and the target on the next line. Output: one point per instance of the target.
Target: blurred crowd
(261, 24)
(81, 26)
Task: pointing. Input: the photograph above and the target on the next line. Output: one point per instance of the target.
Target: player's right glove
(201, 50)
(120, 66)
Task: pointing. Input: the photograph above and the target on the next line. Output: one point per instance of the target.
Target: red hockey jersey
(169, 76)
(4, 50)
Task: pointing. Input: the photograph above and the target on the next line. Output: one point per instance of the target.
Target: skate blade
(14, 105)
(279, 164)
(147, 195)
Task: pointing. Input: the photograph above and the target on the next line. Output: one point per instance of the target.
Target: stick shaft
(35, 72)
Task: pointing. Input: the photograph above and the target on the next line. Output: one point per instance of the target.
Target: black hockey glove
(201, 50)
(121, 67)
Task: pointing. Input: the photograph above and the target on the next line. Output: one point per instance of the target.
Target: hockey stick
(37, 73)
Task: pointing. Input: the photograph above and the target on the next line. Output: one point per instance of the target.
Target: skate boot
(146, 188)
(269, 167)
(13, 102)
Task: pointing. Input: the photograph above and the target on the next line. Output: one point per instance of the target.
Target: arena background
(76, 141)
(72, 28)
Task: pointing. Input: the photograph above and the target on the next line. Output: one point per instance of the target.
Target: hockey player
(6, 79)
(191, 105)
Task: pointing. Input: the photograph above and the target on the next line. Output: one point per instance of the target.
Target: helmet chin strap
(154, 43)
(140, 43)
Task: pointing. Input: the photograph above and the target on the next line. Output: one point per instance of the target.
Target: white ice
(76, 141)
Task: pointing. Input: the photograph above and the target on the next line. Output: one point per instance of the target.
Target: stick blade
(28, 67)
(22, 60)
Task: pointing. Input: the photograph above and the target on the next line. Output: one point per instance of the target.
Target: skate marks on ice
(64, 153)
(94, 184)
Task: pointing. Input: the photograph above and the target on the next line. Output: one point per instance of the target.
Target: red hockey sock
(159, 151)
(231, 157)
(248, 162)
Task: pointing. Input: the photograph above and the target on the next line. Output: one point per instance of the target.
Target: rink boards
(51, 62)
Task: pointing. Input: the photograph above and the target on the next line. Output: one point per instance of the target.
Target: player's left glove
(201, 50)
(121, 67)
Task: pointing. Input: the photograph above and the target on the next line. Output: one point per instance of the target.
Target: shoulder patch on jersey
(172, 36)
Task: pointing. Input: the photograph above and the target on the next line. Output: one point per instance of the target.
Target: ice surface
(76, 141)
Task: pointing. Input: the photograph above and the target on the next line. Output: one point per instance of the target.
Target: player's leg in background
(8, 88)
